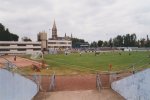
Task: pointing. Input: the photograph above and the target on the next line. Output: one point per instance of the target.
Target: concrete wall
(134, 87)
(16, 87)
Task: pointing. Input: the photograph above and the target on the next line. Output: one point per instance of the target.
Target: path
(106, 94)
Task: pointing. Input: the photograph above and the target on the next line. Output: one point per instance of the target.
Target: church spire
(54, 26)
(54, 31)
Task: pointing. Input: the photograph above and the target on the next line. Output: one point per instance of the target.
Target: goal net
(37, 55)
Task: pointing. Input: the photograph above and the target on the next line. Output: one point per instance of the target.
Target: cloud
(87, 19)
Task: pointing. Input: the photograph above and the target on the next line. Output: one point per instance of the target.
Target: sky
(91, 20)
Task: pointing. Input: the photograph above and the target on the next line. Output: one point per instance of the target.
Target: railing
(52, 83)
(8, 64)
(98, 82)
(37, 80)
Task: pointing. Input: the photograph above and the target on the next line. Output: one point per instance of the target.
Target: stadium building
(15, 47)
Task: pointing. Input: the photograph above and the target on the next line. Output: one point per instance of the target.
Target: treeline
(77, 42)
(5, 35)
(128, 40)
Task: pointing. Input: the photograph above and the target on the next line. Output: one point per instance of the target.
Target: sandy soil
(105, 94)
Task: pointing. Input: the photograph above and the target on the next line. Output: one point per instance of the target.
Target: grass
(89, 63)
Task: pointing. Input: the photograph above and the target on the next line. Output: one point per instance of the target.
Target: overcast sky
(87, 19)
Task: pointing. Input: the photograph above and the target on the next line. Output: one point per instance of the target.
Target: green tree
(105, 44)
(110, 42)
(142, 42)
(93, 44)
(118, 41)
(133, 40)
(2, 28)
(100, 43)
(26, 39)
(5, 35)
(127, 40)
(76, 42)
(147, 42)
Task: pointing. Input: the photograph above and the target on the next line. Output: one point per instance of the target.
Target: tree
(118, 41)
(93, 44)
(127, 40)
(133, 40)
(110, 42)
(100, 43)
(105, 44)
(26, 39)
(147, 42)
(76, 42)
(2, 28)
(142, 42)
(5, 35)
(138, 43)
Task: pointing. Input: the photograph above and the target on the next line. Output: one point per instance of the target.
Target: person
(110, 67)
(95, 53)
(15, 58)
(80, 53)
(119, 53)
(66, 53)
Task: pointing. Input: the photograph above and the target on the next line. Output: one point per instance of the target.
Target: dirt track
(20, 62)
(73, 82)
(105, 94)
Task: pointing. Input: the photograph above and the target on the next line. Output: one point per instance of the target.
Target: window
(36, 49)
(4, 50)
(4, 44)
(21, 49)
(36, 44)
(51, 42)
(21, 44)
(62, 42)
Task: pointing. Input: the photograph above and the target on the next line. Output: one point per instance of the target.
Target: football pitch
(89, 63)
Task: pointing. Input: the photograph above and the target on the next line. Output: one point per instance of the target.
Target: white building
(59, 44)
(18, 47)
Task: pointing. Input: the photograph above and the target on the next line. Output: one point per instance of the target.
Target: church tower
(54, 31)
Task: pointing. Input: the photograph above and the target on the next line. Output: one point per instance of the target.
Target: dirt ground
(72, 82)
(105, 94)
(20, 62)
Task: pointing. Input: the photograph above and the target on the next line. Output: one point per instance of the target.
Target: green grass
(89, 63)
